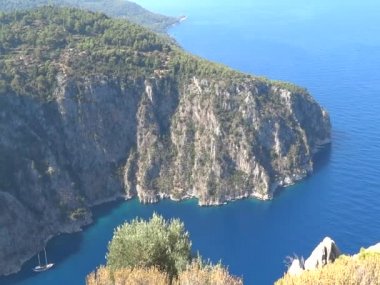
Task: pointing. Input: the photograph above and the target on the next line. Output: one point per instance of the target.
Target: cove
(232, 233)
(331, 48)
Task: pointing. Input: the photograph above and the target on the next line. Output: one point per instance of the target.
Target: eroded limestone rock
(326, 252)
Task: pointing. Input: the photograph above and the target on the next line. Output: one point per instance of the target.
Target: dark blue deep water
(330, 47)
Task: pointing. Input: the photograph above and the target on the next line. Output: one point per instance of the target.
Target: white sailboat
(40, 267)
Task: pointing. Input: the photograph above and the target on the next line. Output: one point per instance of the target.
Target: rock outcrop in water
(155, 123)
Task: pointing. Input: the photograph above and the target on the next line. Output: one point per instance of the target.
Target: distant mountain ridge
(113, 8)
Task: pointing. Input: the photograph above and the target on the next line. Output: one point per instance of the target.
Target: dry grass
(198, 274)
(195, 274)
(362, 270)
(127, 276)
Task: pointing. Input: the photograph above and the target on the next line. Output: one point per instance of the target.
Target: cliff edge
(327, 266)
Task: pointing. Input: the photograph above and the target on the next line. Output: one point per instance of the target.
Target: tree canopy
(39, 45)
(156, 252)
(112, 8)
(154, 243)
(35, 46)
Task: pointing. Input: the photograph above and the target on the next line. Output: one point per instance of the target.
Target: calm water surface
(330, 47)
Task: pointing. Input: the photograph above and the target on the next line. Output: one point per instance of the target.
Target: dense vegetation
(112, 8)
(37, 45)
(363, 269)
(155, 243)
(156, 252)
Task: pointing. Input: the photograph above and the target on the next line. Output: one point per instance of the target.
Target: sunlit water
(330, 47)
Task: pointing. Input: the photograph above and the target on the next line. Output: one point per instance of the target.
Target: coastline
(121, 197)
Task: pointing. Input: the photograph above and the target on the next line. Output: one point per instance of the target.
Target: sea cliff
(89, 117)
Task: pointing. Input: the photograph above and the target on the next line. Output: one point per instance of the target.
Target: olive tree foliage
(154, 243)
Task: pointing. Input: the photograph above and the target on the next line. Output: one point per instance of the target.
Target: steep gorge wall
(150, 138)
(224, 142)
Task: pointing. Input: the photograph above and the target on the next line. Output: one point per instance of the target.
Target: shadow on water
(104, 209)
(61, 247)
(58, 249)
(322, 158)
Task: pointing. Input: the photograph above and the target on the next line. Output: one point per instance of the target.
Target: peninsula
(93, 109)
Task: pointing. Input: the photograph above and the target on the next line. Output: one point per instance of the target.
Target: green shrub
(155, 243)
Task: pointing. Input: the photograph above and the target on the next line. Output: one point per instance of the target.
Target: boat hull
(43, 268)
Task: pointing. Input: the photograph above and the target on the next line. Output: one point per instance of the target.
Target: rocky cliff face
(151, 138)
(92, 109)
(223, 142)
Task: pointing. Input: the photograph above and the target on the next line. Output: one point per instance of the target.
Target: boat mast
(44, 267)
(45, 257)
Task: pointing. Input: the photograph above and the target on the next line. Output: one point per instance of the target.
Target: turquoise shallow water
(330, 47)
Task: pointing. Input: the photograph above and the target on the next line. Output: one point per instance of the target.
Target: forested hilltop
(112, 8)
(94, 109)
(38, 45)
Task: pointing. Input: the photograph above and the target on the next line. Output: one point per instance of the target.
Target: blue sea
(330, 47)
